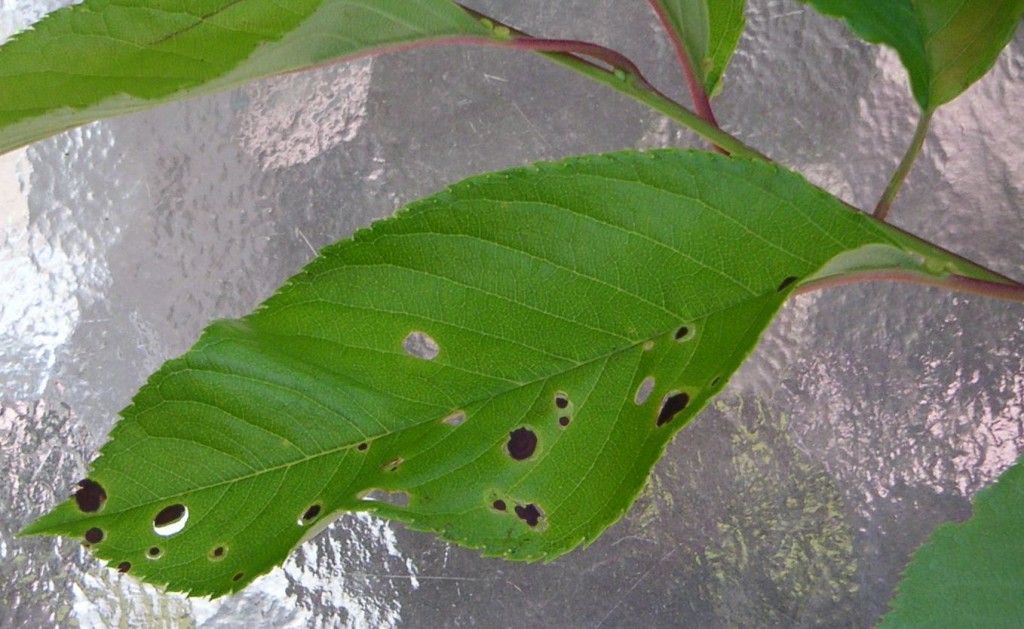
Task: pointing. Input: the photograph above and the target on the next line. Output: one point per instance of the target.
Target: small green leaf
(501, 364)
(946, 45)
(970, 574)
(103, 58)
(709, 31)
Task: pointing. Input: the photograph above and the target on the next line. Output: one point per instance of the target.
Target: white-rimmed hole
(644, 390)
(170, 520)
(455, 419)
(421, 345)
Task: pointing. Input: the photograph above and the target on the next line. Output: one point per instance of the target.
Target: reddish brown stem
(1007, 292)
(701, 101)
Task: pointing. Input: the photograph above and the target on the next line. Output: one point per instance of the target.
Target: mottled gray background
(869, 414)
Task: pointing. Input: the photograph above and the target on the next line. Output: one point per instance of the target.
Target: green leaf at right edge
(945, 45)
(501, 364)
(970, 574)
(709, 31)
(103, 58)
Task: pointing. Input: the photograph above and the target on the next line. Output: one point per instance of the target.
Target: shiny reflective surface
(868, 415)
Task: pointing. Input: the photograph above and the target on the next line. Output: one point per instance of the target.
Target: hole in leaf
(421, 345)
(154, 553)
(362, 446)
(716, 381)
(521, 443)
(563, 421)
(393, 498)
(170, 520)
(786, 283)
(671, 406)
(218, 553)
(237, 577)
(644, 390)
(393, 464)
(529, 514)
(90, 496)
(124, 566)
(309, 515)
(682, 333)
(561, 400)
(499, 505)
(455, 419)
(94, 535)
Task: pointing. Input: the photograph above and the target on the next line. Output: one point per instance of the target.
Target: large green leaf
(946, 45)
(102, 58)
(970, 574)
(708, 31)
(510, 357)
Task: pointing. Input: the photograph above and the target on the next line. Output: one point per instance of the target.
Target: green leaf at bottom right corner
(970, 574)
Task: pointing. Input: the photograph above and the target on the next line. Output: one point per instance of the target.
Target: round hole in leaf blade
(529, 514)
(309, 515)
(124, 566)
(522, 442)
(421, 345)
(455, 419)
(94, 535)
(561, 400)
(673, 404)
(218, 553)
(238, 577)
(644, 390)
(563, 421)
(499, 505)
(90, 496)
(171, 520)
(362, 447)
(682, 333)
(154, 553)
(786, 283)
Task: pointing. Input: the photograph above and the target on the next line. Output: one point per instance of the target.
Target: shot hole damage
(561, 400)
(393, 498)
(94, 535)
(564, 420)
(154, 552)
(218, 553)
(455, 419)
(644, 390)
(309, 515)
(529, 514)
(522, 442)
(421, 345)
(786, 283)
(393, 464)
(682, 333)
(124, 566)
(673, 404)
(362, 446)
(499, 505)
(90, 496)
(238, 577)
(170, 520)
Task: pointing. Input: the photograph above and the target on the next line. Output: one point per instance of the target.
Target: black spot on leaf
(563, 421)
(90, 496)
(529, 514)
(169, 515)
(786, 283)
(310, 513)
(561, 400)
(499, 505)
(672, 406)
(124, 566)
(94, 535)
(521, 443)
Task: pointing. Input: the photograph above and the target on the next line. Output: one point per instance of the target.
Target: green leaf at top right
(945, 45)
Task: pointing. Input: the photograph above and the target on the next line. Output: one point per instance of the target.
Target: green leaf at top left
(103, 58)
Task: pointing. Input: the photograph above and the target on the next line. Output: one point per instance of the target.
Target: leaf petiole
(900, 175)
